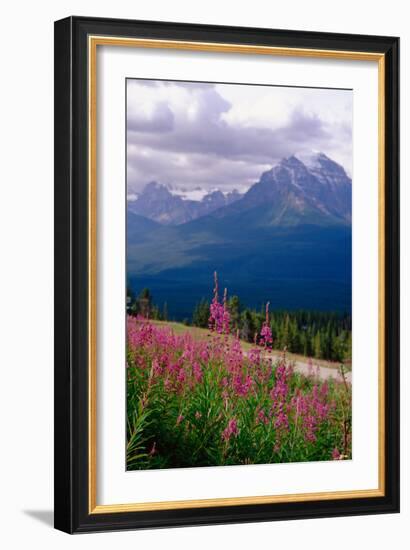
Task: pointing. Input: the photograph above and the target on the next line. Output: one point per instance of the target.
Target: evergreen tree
(145, 302)
(234, 307)
(130, 292)
(135, 308)
(155, 313)
(325, 335)
(200, 316)
(317, 345)
(248, 328)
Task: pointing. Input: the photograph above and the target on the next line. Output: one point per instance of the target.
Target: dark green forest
(323, 335)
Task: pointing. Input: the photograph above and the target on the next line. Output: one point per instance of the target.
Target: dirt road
(324, 373)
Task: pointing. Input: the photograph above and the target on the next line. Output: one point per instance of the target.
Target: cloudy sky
(225, 135)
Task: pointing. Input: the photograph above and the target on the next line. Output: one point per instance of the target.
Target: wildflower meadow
(212, 401)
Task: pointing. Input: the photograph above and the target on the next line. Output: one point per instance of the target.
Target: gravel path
(324, 373)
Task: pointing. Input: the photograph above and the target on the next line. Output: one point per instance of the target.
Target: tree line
(323, 335)
(143, 304)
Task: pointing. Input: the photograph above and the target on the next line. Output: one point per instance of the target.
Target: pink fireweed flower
(216, 317)
(204, 355)
(319, 404)
(234, 356)
(254, 357)
(153, 449)
(168, 384)
(178, 364)
(266, 332)
(301, 404)
(230, 430)
(156, 367)
(282, 421)
(216, 310)
(173, 367)
(324, 390)
(310, 426)
(322, 410)
(242, 385)
(262, 418)
(280, 389)
(139, 332)
(276, 447)
(336, 454)
(197, 372)
(181, 376)
(266, 336)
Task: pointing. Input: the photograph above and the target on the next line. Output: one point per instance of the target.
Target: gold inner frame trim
(93, 42)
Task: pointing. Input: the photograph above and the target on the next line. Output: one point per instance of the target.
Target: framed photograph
(226, 274)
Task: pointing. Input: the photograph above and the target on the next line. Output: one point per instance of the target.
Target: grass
(204, 334)
(196, 398)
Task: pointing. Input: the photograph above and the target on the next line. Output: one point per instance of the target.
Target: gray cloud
(200, 170)
(189, 142)
(160, 120)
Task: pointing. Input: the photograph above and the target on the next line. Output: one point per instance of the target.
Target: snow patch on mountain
(197, 194)
(298, 191)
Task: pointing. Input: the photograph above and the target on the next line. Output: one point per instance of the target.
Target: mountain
(139, 226)
(171, 207)
(287, 240)
(294, 193)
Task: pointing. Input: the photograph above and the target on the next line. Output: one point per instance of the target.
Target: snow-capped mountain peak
(315, 189)
(172, 205)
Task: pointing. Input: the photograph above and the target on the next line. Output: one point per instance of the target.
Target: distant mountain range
(170, 206)
(287, 240)
(318, 192)
(293, 193)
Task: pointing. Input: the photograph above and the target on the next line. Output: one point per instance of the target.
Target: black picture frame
(72, 513)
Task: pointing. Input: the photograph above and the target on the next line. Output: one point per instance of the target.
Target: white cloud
(226, 135)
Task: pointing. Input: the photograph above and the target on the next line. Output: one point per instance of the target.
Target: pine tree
(200, 316)
(248, 327)
(317, 346)
(145, 302)
(234, 307)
